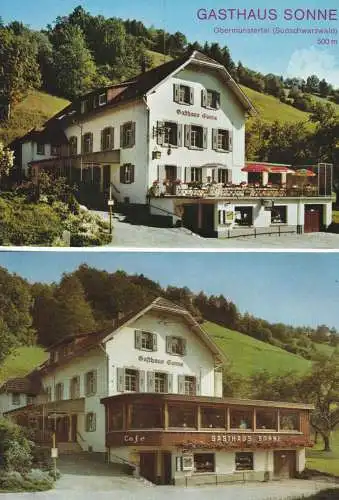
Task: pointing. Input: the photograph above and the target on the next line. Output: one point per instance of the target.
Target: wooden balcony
(191, 422)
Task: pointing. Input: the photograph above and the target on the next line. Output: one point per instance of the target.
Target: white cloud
(314, 61)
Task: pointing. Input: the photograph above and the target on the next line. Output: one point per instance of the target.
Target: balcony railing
(235, 191)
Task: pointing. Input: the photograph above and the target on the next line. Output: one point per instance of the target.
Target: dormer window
(210, 99)
(183, 94)
(102, 99)
(176, 345)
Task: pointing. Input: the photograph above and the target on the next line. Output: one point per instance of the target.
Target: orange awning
(270, 168)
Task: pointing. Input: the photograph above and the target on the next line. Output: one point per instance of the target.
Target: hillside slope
(247, 355)
(21, 362)
(32, 112)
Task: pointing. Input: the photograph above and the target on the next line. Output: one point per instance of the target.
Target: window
(83, 107)
(182, 416)
(91, 422)
(244, 216)
(289, 421)
(87, 143)
(55, 150)
(29, 400)
(176, 345)
(48, 391)
(225, 217)
(213, 418)
(74, 388)
(145, 341)
(241, 419)
(146, 417)
(196, 174)
(59, 391)
(160, 382)
(279, 215)
(223, 175)
(127, 135)
(15, 399)
(204, 462)
(190, 386)
(107, 139)
(40, 149)
(171, 133)
(183, 94)
(210, 99)
(102, 99)
(116, 416)
(243, 461)
(131, 380)
(197, 136)
(266, 419)
(127, 175)
(73, 146)
(221, 140)
(91, 383)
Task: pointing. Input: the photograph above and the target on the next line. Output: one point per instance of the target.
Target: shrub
(35, 480)
(15, 448)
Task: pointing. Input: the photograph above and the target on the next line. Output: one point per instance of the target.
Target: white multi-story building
(149, 393)
(173, 138)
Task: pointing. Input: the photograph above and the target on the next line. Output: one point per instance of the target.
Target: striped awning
(271, 168)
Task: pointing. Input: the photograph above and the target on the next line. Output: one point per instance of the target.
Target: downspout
(148, 140)
(107, 454)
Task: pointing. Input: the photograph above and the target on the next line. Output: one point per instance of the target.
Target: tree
(312, 84)
(325, 88)
(74, 313)
(19, 69)
(74, 67)
(6, 160)
(321, 387)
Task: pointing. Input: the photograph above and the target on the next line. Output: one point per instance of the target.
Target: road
(135, 236)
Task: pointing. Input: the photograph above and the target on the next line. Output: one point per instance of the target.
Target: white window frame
(195, 134)
(184, 91)
(131, 380)
(107, 132)
(167, 133)
(159, 379)
(59, 391)
(190, 385)
(212, 95)
(40, 149)
(90, 380)
(127, 132)
(91, 422)
(223, 140)
(196, 174)
(128, 169)
(175, 343)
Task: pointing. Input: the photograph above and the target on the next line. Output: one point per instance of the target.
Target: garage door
(312, 220)
(284, 464)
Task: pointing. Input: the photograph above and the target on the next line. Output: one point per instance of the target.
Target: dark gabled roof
(23, 385)
(47, 135)
(137, 87)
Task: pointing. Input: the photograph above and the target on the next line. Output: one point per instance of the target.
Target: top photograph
(148, 124)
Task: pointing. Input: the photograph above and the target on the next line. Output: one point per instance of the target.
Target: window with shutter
(205, 136)
(191, 95)
(230, 141)
(137, 339)
(179, 140)
(187, 136)
(203, 98)
(169, 345)
(91, 383)
(145, 341)
(215, 139)
(181, 384)
(160, 382)
(212, 99)
(127, 135)
(155, 342)
(170, 383)
(150, 382)
(131, 380)
(142, 381)
(120, 379)
(90, 422)
(160, 133)
(176, 345)
(127, 173)
(197, 387)
(176, 88)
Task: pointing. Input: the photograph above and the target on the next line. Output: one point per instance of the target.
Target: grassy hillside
(248, 355)
(24, 360)
(324, 461)
(33, 111)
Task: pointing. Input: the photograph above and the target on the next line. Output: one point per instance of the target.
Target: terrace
(263, 182)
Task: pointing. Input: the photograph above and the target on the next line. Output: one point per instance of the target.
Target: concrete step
(69, 448)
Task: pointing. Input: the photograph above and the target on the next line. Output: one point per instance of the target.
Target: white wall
(6, 402)
(29, 153)
(300, 460)
(93, 360)
(137, 155)
(230, 116)
(198, 361)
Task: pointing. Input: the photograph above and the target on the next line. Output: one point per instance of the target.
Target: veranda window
(266, 419)
(182, 416)
(146, 417)
(213, 418)
(241, 419)
(204, 462)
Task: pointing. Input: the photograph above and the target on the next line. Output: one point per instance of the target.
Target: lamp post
(110, 208)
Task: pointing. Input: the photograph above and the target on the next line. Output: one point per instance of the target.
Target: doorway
(284, 464)
(148, 465)
(313, 218)
(74, 428)
(166, 467)
(170, 178)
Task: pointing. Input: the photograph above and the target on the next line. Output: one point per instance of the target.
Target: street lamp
(110, 203)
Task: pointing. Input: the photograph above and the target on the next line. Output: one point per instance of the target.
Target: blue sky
(295, 288)
(293, 55)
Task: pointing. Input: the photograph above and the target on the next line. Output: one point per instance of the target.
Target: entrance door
(312, 219)
(207, 220)
(284, 464)
(166, 467)
(106, 177)
(171, 177)
(74, 427)
(62, 429)
(148, 464)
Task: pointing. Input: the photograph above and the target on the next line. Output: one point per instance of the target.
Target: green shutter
(204, 98)
(121, 136)
(95, 378)
(191, 95)
(168, 345)
(197, 386)
(160, 133)
(132, 167)
(230, 140)
(112, 137)
(176, 89)
(120, 379)
(142, 381)
(215, 139)
(137, 339)
(155, 342)
(179, 132)
(102, 140)
(181, 384)
(132, 143)
(188, 136)
(150, 382)
(205, 138)
(170, 383)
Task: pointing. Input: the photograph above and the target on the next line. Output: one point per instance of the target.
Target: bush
(35, 480)
(15, 448)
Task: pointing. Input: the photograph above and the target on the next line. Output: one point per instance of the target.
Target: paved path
(94, 489)
(135, 236)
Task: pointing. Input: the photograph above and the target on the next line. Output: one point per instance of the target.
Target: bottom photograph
(121, 371)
